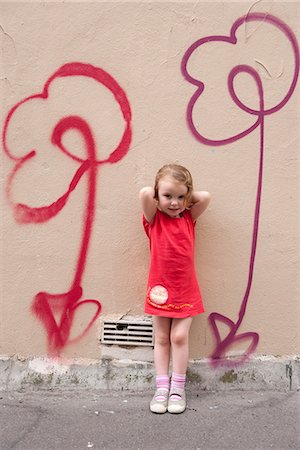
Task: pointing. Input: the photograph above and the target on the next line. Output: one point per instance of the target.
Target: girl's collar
(176, 217)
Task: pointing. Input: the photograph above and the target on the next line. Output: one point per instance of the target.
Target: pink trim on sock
(163, 383)
(178, 382)
(175, 398)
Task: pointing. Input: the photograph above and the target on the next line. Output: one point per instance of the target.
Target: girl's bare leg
(162, 345)
(179, 337)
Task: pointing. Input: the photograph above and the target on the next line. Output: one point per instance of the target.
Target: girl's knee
(162, 339)
(162, 326)
(180, 331)
(179, 337)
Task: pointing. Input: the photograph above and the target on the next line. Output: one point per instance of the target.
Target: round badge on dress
(159, 294)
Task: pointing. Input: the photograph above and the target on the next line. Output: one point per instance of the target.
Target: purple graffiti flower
(252, 116)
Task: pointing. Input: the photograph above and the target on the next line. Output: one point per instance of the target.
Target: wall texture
(96, 96)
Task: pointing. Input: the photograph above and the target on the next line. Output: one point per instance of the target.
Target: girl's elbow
(207, 197)
(142, 193)
(146, 192)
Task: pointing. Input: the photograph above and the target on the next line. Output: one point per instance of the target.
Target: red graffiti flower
(56, 311)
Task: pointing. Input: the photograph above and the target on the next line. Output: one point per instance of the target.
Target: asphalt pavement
(83, 419)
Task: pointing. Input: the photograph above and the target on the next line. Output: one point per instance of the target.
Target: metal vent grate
(124, 332)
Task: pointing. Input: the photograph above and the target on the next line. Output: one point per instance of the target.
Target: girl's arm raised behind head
(200, 201)
(149, 204)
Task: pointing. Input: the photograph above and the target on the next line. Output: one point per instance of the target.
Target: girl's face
(171, 196)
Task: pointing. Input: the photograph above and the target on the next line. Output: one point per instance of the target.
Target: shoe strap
(161, 391)
(176, 391)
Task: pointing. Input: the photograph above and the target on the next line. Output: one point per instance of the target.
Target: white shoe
(177, 406)
(159, 406)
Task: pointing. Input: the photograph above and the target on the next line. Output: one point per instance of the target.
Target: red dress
(172, 289)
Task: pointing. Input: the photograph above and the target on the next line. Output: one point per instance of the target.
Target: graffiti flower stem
(57, 311)
(222, 345)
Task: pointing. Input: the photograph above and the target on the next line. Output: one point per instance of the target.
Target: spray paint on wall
(57, 311)
(250, 338)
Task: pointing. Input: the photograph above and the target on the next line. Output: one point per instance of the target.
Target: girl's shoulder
(147, 225)
(160, 220)
(188, 218)
(187, 214)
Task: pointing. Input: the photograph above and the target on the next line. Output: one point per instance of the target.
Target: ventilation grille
(127, 333)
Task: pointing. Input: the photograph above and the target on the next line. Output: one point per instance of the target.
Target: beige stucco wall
(141, 45)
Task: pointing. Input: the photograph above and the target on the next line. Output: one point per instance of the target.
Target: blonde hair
(180, 174)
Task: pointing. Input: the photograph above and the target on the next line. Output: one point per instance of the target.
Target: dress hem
(175, 315)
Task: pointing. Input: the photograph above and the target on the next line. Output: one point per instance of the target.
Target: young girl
(173, 296)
